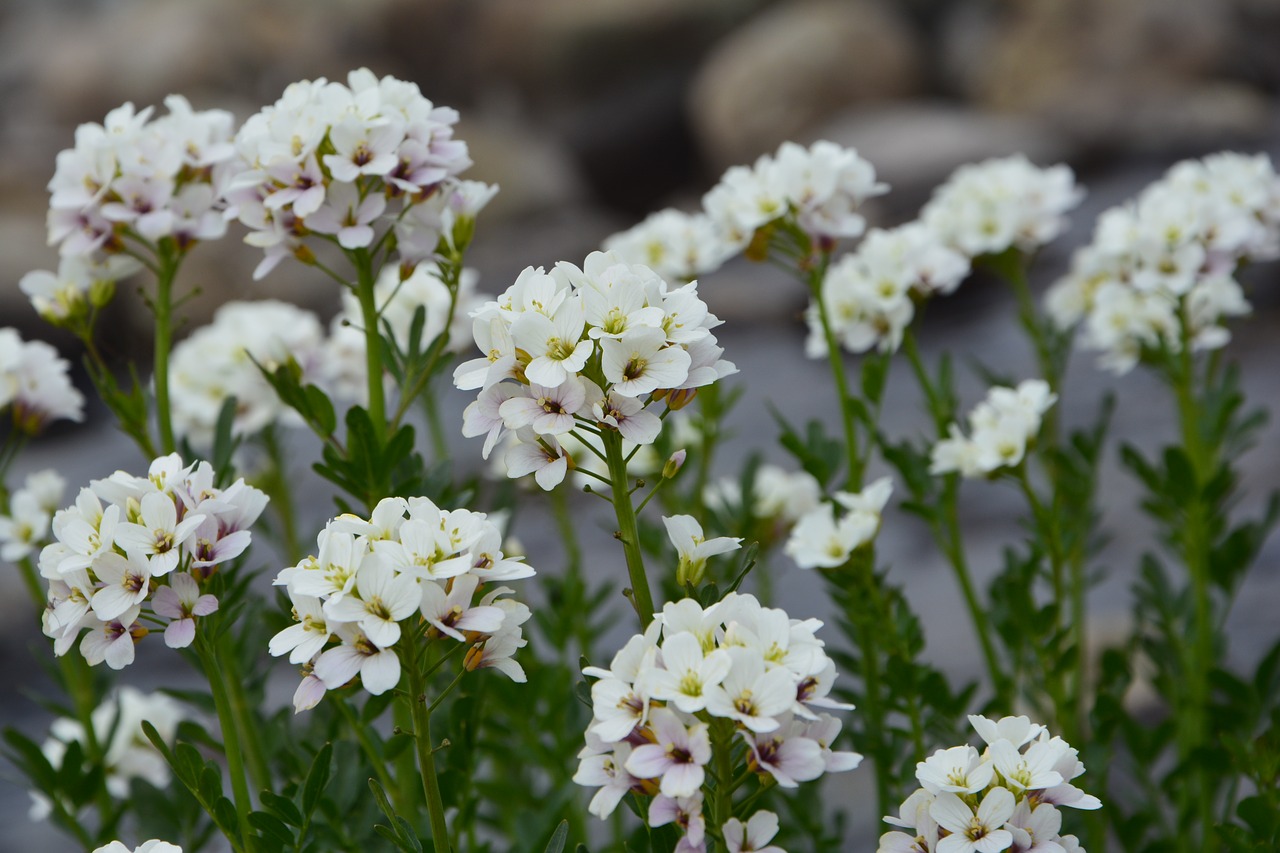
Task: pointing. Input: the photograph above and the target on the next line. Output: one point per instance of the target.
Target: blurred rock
(794, 64)
(532, 168)
(566, 49)
(916, 145)
(1145, 74)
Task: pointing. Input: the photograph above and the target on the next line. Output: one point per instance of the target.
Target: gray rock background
(591, 114)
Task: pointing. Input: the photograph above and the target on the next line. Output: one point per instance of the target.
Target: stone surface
(791, 66)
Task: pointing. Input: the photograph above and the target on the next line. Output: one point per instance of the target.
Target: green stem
(230, 737)
(259, 774)
(628, 530)
(1046, 524)
(281, 495)
(78, 680)
(365, 279)
(1196, 551)
(431, 408)
(722, 759)
(426, 756)
(31, 578)
(836, 360)
(163, 308)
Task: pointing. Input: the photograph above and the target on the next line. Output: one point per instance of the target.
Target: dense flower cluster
(870, 295)
(1004, 798)
(820, 540)
(1160, 272)
(736, 662)
(132, 178)
(820, 188)
(348, 162)
(132, 542)
(1000, 429)
(597, 346)
(34, 381)
(117, 725)
(26, 525)
(989, 207)
(217, 361)
(676, 245)
(410, 560)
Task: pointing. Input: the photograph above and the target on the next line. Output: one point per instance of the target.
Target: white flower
(750, 694)
(982, 832)
(452, 613)
(603, 766)
(153, 846)
(378, 668)
(959, 769)
(304, 640)
(688, 674)
(693, 548)
(383, 597)
(126, 584)
(158, 537)
(754, 835)
(1001, 427)
(678, 756)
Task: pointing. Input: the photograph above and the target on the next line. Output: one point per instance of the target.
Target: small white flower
(754, 835)
(678, 756)
(980, 832)
(181, 601)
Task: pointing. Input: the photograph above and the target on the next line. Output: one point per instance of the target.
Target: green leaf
(317, 779)
(558, 838)
(272, 827)
(282, 807)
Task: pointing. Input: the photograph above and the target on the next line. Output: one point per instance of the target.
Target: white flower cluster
(120, 546)
(776, 493)
(1004, 798)
(338, 160)
(986, 208)
(410, 560)
(1000, 429)
(34, 380)
(25, 527)
(131, 177)
(1160, 271)
(155, 845)
(217, 361)
(820, 540)
(870, 295)
(676, 245)
(596, 346)
(821, 187)
(117, 725)
(735, 661)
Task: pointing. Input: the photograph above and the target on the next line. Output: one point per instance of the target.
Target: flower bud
(674, 463)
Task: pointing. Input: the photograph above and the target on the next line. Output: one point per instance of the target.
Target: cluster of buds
(356, 164)
(411, 570)
(1000, 429)
(1004, 798)
(130, 183)
(700, 680)
(597, 347)
(1160, 271)
(130, 543)
(35, 382)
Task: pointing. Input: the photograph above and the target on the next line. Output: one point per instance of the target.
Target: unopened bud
(674, 463)
(680, 398)
(102, 292)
